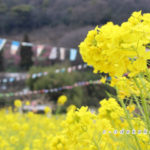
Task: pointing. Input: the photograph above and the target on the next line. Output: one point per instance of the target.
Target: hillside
(56, 22)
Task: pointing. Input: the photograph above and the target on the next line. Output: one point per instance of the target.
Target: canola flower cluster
(61, 100)
(118, 49)
(131, 86)
(79, 129)
(121, 49)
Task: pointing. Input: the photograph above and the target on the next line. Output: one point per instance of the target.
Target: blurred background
(39, 55)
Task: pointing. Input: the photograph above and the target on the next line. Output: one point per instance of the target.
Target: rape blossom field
(78, 129)
(120, 123)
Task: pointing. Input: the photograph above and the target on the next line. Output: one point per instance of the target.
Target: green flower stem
(139, 106)
(58, 109)
(130, 124)
(143, 104)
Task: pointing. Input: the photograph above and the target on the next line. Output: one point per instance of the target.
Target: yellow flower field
(77, 130)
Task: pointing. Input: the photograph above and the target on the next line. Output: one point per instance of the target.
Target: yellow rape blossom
(103, 80)
(47, 109)
(118, 49)
(27, 103)
(18, 103)
(61, 100)
(71, 107)
(131, 108)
